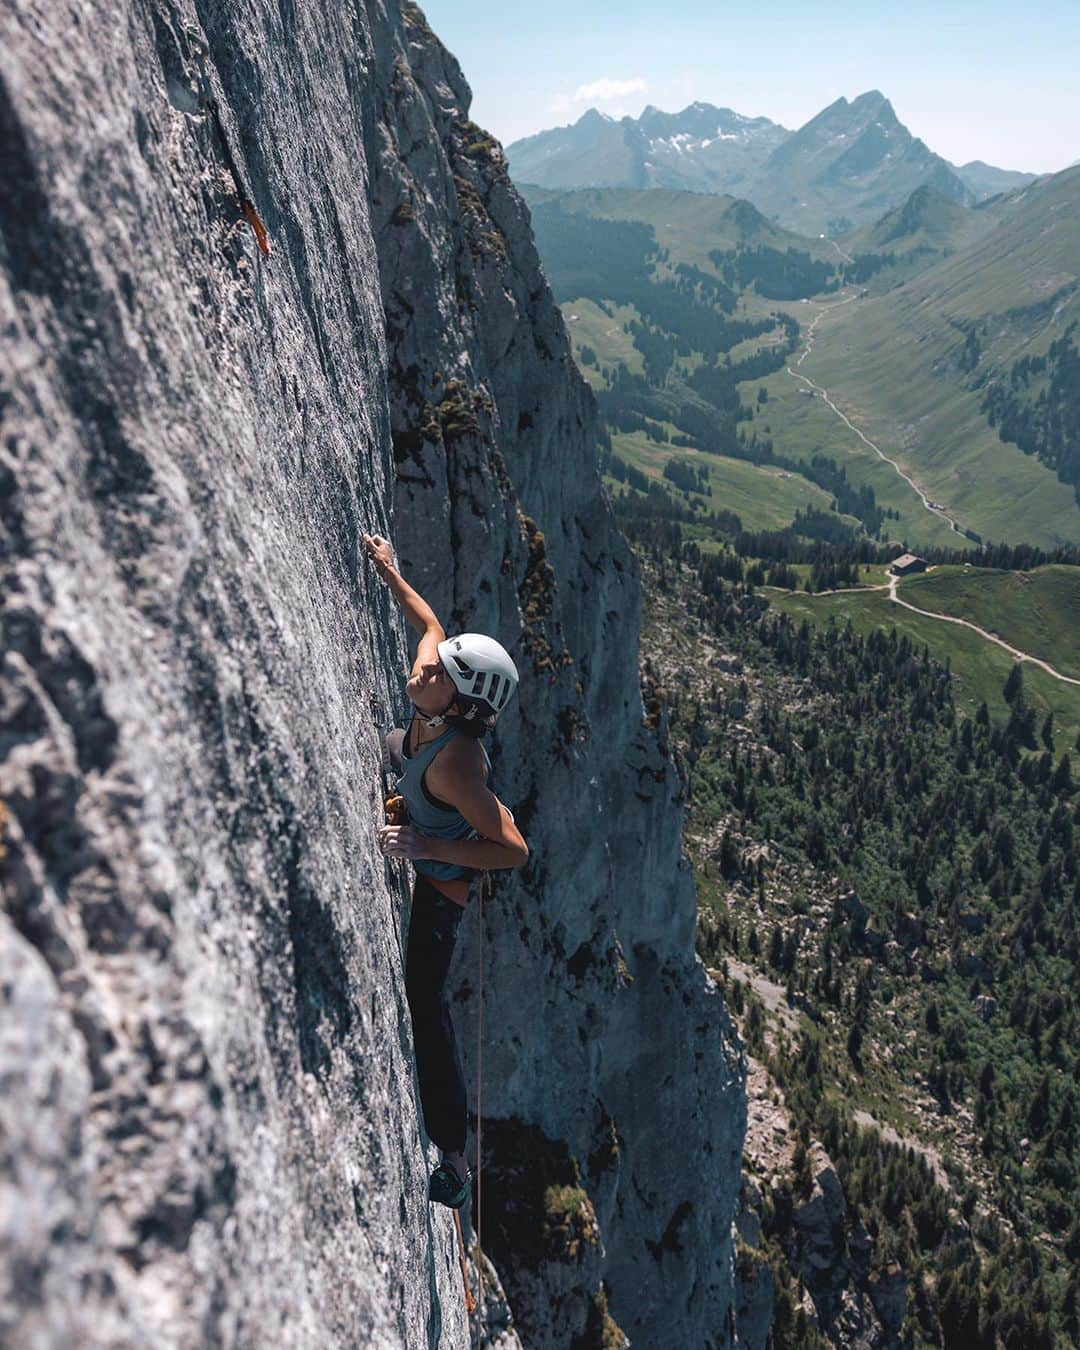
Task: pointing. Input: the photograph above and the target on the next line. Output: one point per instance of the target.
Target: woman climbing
(457, 828)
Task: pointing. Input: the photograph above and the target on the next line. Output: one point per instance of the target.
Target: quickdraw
(246, 204)
(259, 229)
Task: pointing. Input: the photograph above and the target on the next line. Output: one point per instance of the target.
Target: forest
(947, 950)
(788, 275)
(1038, 408)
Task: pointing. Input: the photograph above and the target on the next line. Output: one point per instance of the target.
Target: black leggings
(433, 929)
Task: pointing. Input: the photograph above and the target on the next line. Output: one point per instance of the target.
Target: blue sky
(995, 80)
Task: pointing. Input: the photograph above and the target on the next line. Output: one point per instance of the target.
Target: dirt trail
(1014, 652)
(892, 585)
(930, 506)
(846, 257)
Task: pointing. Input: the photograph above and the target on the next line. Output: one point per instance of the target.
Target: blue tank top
(441, 822)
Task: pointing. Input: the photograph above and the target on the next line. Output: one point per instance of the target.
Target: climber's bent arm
(509, 849)
(458, 776)
(505, 849)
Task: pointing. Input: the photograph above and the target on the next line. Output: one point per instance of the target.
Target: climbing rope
(485, 881)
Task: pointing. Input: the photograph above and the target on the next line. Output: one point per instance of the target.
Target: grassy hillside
(690, 225)
(802, 426)
(913, 237)
(927, 220)
(1038, 612)
(980, 668)
(911, 366)
(601, 328)
(763, 496)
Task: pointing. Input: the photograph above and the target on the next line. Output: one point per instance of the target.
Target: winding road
(891, 587)
(932, 507)
(1014, 652)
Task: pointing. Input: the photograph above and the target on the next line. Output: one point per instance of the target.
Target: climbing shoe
(447, 1188)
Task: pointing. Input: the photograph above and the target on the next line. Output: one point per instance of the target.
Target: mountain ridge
(845, 167)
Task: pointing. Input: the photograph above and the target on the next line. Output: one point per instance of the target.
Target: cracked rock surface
(208, 1128)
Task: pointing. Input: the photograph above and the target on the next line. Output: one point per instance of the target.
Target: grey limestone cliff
(208, 1124)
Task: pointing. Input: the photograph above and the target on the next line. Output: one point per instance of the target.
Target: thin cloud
(603, 90)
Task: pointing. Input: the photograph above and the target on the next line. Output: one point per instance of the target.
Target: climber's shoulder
(462, 760)
(462, 753)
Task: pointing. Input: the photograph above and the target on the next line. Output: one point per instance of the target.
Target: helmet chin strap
(440, 718)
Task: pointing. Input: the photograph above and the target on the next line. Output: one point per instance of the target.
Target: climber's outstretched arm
(421, 617)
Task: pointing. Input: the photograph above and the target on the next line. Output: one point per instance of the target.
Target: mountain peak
(852, 161)
(886, 113)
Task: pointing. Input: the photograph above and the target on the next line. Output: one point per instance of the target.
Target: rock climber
(457, 828)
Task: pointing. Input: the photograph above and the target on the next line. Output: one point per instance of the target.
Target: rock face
(207, 1121)
(604, 1019)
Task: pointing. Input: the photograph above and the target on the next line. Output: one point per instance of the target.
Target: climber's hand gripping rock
(402, 841)
(379, 551)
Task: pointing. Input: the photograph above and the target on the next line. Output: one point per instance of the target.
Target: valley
(902, 375)
(881, 772)
(884, 871)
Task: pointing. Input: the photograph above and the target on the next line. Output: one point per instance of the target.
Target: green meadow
(590, 326)
(980, 667)
(763, 496)
(1038, 611)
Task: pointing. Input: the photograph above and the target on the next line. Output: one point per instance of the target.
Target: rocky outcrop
(848, 1290)
(209, 1135)
(753, 1278)
(605, 1034)
(208, 1124)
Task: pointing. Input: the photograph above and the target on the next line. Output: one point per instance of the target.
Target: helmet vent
(481, 670)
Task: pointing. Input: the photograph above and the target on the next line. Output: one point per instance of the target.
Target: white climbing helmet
(482, 672)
